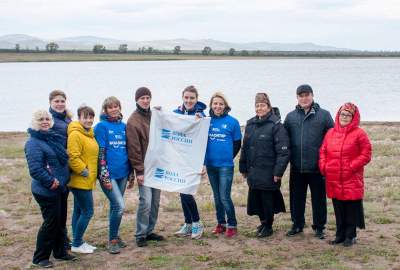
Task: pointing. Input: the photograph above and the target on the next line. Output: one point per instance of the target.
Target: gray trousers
(147, 213)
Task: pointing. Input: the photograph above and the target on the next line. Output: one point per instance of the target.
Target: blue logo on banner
(168, 176)
(159, 173)
(165, 134)
(176, 136)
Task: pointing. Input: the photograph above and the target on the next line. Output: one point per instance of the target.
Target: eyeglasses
(44, 119)
(344, 115)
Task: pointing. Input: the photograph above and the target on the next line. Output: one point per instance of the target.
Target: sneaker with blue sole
(197, 230)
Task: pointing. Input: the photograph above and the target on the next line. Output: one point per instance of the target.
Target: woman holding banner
(193, 226)
(224, 141)
(263, 160)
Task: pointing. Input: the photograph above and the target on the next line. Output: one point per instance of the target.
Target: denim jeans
(51, 235)
(147, 213)
(221, 183)
(83, 212)
(189, 208)
(117, 206)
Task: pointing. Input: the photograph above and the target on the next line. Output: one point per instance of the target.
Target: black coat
(265, 152)
(306, 132)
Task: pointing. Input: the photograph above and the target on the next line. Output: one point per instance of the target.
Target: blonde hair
(108, 102)
(35, 123)
(221, 96)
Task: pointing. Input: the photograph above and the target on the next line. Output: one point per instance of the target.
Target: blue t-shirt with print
(112, 137)
(221, 135)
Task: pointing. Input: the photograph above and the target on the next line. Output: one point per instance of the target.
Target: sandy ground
(377, 246)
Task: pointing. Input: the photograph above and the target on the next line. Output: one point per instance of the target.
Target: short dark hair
(86, 111)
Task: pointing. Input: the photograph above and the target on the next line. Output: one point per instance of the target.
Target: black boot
(319, 234)
(265, 232)
(348, 242)
(293, 231)
(260, 227)
(338, 240)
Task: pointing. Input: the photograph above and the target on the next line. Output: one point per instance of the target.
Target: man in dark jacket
(307, 126)
(137, 133)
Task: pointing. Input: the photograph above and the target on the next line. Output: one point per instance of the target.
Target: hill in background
(87, 43)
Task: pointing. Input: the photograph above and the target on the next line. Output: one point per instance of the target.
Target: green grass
(203, 258)
(159, 260)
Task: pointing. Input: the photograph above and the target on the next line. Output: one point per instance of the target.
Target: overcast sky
(353, 24)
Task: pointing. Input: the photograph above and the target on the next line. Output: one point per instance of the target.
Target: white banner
(175, 155)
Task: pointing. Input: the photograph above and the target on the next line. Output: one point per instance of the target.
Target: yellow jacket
(83, 152)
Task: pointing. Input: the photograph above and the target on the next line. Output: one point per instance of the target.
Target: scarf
(143, 111)
(111, 119)
(53, 140)
(58, 115)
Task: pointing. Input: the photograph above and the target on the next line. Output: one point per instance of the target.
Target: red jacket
(343, 154)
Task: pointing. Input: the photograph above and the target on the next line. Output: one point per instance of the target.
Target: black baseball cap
(304, 88)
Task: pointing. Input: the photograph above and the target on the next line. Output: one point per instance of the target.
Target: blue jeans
(147, 213)
(117, 206)
(83, 212)
(221, 182)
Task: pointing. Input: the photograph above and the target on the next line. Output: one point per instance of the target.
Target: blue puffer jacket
(44, 166)
(198, 108)
(306, 133)
(61, 122)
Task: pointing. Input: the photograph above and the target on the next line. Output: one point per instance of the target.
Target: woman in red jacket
(344, 153)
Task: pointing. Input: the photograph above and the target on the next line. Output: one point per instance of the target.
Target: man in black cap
(307, 126)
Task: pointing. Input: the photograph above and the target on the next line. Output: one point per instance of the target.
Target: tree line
(53, 47)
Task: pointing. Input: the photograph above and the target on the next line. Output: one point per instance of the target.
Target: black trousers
(349, 215)
(189, 207)
(63, 222)
(51, 235)
(298, 185)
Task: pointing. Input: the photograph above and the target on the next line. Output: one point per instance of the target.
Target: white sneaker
(82, 249)
(89, 246)
(197, 230)
(185, 230)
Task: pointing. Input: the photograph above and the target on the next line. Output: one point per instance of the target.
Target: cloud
(343, 23)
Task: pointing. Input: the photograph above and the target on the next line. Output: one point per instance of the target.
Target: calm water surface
(373, 84)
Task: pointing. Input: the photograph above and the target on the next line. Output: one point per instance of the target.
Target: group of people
(65, 155)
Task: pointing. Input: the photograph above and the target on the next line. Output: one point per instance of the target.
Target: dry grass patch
(377, 247)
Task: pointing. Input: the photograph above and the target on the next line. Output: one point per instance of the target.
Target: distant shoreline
(5, 134)
(14, 57)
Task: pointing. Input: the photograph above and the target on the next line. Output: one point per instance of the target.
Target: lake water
(373, 84)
